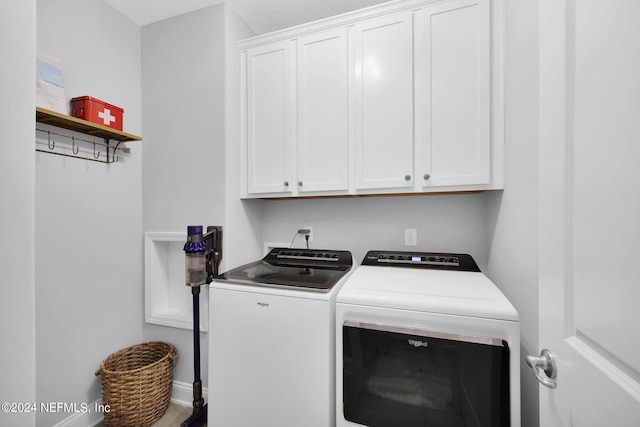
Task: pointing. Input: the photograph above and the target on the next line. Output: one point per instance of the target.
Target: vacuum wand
(203, 254)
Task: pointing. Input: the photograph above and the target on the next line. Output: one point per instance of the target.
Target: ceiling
(262, 16)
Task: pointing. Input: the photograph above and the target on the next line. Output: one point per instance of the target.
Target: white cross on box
(106, 117)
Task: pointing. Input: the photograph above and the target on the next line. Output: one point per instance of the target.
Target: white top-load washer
(425, 339)
(272, 340)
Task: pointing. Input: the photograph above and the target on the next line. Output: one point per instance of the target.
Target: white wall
(88, 215)
(17, 200)
(184, 155)
(447, 223)
(243, 218)
(512, 215)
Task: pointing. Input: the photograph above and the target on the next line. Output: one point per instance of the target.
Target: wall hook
(51, 143)
(73, 145)
(115, 150)
(94, 151)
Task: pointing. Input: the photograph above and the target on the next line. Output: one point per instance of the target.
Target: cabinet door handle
(426, 177)
(299, 183)
(407, 177)
(286, 183)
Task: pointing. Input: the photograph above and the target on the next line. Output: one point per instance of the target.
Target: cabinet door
(384, 102)
(453, 93)
(323, 110)
(269, 118)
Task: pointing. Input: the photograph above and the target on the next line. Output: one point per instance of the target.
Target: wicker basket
(136, 384)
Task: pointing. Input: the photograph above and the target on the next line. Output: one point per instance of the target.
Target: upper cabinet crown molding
(342, 20)
(402, 98)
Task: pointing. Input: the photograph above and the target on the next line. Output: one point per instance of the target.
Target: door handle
(546, 363)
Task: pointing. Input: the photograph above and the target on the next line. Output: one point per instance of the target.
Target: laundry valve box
(96, 111)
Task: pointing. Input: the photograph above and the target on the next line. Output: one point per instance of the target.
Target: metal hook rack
(102, 152)
(105, 151)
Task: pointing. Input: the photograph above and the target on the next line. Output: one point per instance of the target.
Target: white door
(590, 211)
(453, 93)
(384, 102)
(323, 112)
(269, 118)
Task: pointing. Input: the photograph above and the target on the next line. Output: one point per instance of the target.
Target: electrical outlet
(411, 237)
(310, 228)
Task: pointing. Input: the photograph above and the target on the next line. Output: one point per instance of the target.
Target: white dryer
(425, 339)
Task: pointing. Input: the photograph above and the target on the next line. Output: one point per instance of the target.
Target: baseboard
(181, 394)
(89, 418)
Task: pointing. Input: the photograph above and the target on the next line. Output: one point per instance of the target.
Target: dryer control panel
(432, 260)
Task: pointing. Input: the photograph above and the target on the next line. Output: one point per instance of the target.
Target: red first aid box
(96, 111)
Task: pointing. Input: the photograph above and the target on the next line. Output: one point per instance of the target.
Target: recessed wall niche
(168, 302)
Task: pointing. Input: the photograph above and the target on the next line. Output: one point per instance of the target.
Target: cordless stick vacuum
(203, 254)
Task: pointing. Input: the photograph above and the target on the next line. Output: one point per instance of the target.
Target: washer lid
(463, 293)
(302, 269)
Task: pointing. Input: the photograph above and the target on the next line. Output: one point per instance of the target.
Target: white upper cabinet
(404, 97)
(269, 118)
(323, 112)
(384, 102)
(453, 99)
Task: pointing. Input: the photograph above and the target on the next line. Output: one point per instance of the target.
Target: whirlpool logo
(417, 343)
(263, 304)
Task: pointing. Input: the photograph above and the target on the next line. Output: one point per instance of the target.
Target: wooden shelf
(72, 123)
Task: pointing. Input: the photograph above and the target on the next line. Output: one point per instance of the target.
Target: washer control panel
(316, 258)
(309, 255)
(433, 260)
